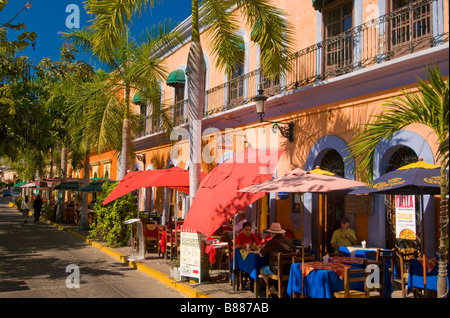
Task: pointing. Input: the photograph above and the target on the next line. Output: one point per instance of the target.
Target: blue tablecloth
(323, 283)
(251, 264)
(415, 277)
(369, 253)
(320, 283)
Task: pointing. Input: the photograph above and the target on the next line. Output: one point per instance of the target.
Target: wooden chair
(161, 230)
(353, 276)
(172, 244)
(376, 268)
(298, 259)
(151, 242)
(404, 256)
(388, 255)
(282, 277)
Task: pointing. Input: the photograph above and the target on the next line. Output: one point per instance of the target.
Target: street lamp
(260, 100)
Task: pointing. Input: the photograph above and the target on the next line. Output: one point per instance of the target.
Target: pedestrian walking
(37, 205)
(25, 208)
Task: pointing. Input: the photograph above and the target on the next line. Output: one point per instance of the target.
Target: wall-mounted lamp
(260, 100)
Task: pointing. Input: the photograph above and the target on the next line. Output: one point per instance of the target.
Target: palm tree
(428, 106)
(218, 18)
(132, 67)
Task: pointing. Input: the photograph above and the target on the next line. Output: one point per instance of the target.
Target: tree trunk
(125, 150)
(442, 288)
(84, 220)
(196, 100)
(59, 216)
(125, 136)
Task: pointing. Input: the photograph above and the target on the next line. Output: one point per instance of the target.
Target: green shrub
(109, 222)
(18, 202)
(47, 212)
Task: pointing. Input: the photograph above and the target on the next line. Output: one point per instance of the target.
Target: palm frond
(271, 31)
(111, 19)
(428, 106)
(222, 25)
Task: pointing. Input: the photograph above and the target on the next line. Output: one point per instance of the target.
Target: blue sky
(48, 17)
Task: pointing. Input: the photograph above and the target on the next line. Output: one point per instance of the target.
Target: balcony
(396, 34)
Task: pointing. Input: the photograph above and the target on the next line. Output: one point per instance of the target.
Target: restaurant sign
(190, 254)
(405, 217)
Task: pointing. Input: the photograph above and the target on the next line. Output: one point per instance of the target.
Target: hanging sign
(190, 254)
(283, 195)
(405, 217)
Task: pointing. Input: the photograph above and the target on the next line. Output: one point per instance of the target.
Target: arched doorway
(331, 205)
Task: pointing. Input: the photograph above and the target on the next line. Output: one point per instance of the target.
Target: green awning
(319, 4)
(137, 99)
(176, 78)
(95, 186)
(20, 184)
(69, 185)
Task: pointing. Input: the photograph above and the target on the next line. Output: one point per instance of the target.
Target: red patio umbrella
(127, 184)
(174, 177)
(217, 198)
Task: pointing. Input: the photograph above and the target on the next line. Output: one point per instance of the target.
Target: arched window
(401, 157)
(332, 161)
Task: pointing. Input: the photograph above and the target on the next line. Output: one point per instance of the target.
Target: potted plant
(175, 269)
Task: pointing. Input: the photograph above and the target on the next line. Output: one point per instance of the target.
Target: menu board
(190, 254)
(405, 217)
(359, 204)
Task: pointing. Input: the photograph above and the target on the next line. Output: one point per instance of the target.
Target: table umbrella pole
(234, 253)
(303, 252)
(423, 244)
(175, 215)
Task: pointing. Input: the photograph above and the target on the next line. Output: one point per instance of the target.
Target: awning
(137, 99)
(69, 185)
(319, 4)
(176, 78)
(29, 185)
(20, 184)
(95, 186)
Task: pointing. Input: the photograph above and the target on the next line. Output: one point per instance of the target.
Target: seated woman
(247, 237)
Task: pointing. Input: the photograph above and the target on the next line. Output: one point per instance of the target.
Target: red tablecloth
(338, 268)
(347, 260)
(211, 249)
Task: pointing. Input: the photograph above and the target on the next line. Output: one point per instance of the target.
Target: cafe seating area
(303, 274)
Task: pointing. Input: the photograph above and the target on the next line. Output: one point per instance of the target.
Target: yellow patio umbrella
(321, 171)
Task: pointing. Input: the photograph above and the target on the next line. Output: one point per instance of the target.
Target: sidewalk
(218, 286)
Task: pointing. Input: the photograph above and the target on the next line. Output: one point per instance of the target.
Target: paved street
(35, 257)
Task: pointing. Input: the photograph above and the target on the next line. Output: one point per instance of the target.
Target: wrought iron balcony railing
(398, 33)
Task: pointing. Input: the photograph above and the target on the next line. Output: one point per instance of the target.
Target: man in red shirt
(246, 237)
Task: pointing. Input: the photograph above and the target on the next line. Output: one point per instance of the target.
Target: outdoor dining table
(321, 280)
(415, 276)
(211, 250)
(366, 252)
(249, 262)
(359, 262)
